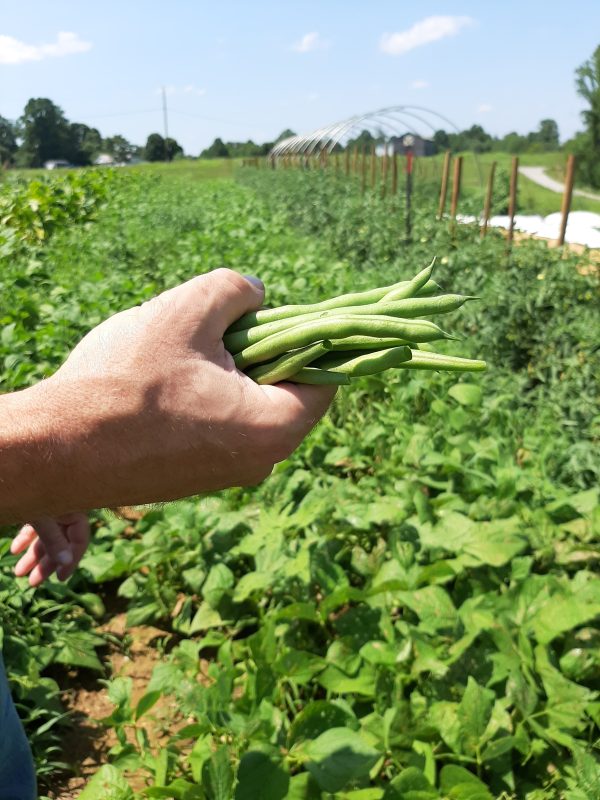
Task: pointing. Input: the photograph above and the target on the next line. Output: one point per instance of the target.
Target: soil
(86, 745)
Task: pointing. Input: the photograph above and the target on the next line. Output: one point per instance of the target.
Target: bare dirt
(86, 745)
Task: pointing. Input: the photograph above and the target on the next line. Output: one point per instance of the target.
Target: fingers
(78, 534)
(52, 545)
(298, 409)
(23, 539)
(56, 544)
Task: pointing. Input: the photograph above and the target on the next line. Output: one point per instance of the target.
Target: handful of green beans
(345, 337)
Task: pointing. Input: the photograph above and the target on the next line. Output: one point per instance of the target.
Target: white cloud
(427, 30)
(189, 89)
(485, 108)
(419, 85)
(310, 41)
(12, 51)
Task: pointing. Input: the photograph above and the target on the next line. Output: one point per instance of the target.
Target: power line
(123, 113)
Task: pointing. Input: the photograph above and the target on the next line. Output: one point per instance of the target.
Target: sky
(248, 70)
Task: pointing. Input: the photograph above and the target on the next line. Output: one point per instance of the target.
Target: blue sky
(244, 70)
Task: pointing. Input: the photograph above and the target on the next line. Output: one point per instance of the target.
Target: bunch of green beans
(345, 337)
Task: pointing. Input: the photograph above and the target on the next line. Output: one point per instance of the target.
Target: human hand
(51, 545)
(150, 407)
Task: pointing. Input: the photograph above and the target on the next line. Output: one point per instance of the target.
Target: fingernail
(255, 282)
(65, 557)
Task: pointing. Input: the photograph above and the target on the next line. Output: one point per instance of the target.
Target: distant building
(104, 160)
(400, 145)
(57, 163)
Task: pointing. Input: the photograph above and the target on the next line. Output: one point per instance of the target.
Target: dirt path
(538, 175)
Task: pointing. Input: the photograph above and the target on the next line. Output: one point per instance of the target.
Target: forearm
(49, 454)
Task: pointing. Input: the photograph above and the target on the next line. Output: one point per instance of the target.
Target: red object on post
(409, 162)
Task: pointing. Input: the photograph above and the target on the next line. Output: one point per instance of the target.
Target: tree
(172, 149)
(8, 141)
(218, 149)
(512, 143)
(476, 139)
(441, 140)
(547, 134)
(155, 148)
(45, 133)
(84, 144)
(286, 134)
(119, 148)
(587, 145)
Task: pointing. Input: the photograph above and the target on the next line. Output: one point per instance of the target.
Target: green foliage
(587, 145)
(407, 608)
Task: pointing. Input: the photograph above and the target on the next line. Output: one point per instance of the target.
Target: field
(407, 608)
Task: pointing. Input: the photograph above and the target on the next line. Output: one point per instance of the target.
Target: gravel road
(538, 175)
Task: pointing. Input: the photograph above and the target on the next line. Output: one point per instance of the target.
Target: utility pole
(165, 117)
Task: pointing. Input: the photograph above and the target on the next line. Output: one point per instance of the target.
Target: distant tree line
(221, 149)
(43, 133)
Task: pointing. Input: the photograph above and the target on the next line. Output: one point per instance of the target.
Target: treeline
(43, 133)
(475, 138)
(248, 149)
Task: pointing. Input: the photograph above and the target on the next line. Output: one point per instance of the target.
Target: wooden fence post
(347, 161)
(512, 199)
(373, 167)
(456, 187)
(566, 201)
(394, 174)
(487, 209)
(384, 171)
(363, 169)
(444, 186)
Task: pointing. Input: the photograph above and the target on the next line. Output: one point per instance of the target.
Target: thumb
(228, 295)
(55, 543)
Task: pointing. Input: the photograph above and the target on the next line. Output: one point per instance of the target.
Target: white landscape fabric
(583, 226)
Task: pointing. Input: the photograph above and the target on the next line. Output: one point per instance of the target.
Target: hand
(150, 407)
(52, 545)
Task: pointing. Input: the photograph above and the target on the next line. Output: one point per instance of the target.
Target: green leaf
(107, 784)
(251, 583)
(317, 717)
(467, 394)
(217, 775)
(460, 784)
(338, 756)
(303, 787)
(473, 713)
(201, 752)
(220, 580)
(410, 784)
(261, 776)
(561, 613)
(146, 702)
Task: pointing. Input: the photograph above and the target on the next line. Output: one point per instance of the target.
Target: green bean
(320, 377)
(408, 308)
(368, 363)
(338, 327)
(288, 364)
(266, 315)
(413, 286)
(423, 359)
(366, 343)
